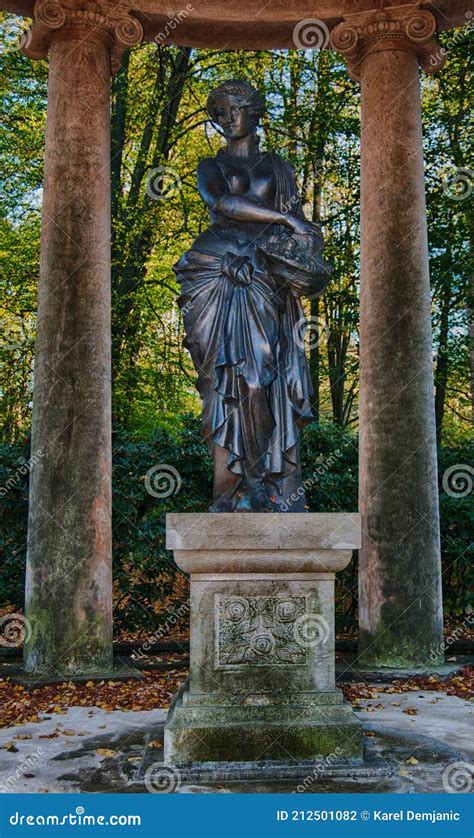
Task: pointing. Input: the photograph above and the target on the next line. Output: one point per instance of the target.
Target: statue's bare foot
(255, 500)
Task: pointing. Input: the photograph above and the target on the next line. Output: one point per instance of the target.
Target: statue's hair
(241, 90)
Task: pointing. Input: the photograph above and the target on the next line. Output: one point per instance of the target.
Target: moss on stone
(56, 644)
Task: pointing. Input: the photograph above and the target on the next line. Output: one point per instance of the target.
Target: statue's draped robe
(246, 343)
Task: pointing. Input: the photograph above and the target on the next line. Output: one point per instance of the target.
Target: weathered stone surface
(261, 531)
(245, 26)
(69, 563)
(262, 683)
(267, 732)
(262, 654)
(400, 608)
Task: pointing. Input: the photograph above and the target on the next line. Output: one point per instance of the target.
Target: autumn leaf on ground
(412, 761)
(105, 752)
(411, 711)
(155, 743)
(10, 746)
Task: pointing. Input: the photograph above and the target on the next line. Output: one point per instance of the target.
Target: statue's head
(236, 107)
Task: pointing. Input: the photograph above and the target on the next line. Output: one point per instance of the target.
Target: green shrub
(145, 576)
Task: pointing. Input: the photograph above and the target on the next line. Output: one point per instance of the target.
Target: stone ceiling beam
(242, 25)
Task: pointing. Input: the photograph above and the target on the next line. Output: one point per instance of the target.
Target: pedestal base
(262, 684)
(306, 727)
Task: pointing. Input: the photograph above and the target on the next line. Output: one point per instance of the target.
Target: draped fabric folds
(246, 344)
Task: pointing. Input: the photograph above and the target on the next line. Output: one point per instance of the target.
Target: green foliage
(159, 121)
(457, 525)
(146, 581)
(144, 573)
(330, 470)
(14, 473)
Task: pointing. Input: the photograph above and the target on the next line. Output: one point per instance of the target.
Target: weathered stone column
(400, 604)
(69, 563)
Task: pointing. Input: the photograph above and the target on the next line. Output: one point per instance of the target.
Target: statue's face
(234, 118)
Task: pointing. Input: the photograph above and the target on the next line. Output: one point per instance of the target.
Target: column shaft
(400, 608)
(69, 569)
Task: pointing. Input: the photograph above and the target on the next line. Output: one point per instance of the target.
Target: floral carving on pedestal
(258, 630)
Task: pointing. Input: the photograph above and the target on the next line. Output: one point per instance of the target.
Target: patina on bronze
(241, 284)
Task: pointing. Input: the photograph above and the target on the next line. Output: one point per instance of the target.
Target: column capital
(87, 20)
(395, 28)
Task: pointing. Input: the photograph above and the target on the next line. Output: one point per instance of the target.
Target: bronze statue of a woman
(241, 285)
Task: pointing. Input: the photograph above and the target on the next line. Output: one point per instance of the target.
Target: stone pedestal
(262, 685)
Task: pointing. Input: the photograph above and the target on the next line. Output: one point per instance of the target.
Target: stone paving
(99, 751)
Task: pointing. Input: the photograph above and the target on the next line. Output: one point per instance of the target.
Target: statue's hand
(301, 226)
(238, 268)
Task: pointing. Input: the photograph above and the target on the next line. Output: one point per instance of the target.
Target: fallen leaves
(460, 685)
(11, 747)
(410, 711)
(105, 752)
(155, 690)
(19, 706)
